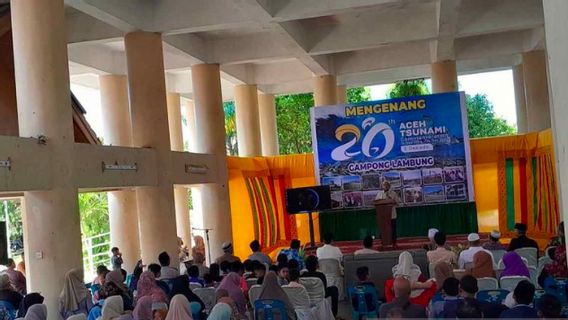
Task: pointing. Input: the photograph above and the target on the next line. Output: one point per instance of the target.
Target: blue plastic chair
(492, 296)
(359, 296)
(195, 308)
(128, 280)
(557, 288)
(94, 288)
(264, 309)
(8, 308)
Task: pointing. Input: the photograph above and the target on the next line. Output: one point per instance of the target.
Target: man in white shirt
(367, 246)
(329, 251)
(167, 272)
(466, 256)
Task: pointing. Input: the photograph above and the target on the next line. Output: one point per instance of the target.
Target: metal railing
(96, 251)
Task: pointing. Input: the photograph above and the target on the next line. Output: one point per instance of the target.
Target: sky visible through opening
(497, 85)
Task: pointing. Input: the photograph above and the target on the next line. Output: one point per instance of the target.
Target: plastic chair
(128, 280)
(315, 289)
(492, 296)
(534, 275)
(298, 296)
(458, 273)
(510, 283)
(94, 288)
(530, 254)
(498, 254)
(437, 297)
(254, 293)
(361, 297)
(264, 309)
(487, 283)
(557, 288)
(332, 270)
(251, 282)
(431, 267)
(195, 308)
(207, 295)
(8, 308)
(194, 285)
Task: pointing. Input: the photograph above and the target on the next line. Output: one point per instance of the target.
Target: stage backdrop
(418, 144)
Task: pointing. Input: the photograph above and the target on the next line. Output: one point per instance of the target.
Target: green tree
(93, 207)
(230, 128)
(482, 121)
(408, 88)
(358, 94)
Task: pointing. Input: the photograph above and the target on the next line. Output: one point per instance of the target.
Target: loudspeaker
(308, 199)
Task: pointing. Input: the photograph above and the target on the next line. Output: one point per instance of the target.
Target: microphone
(201, 229)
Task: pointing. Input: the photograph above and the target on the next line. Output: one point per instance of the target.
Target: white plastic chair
(458, 273)
(431, 267)
(510, 283)
(193, 286)
(207, 295)
(542, 262)
(298, 296)
(254, 293)
(315, 289)
(530, 254)
(547, 249)
(534, 275)
(251, 282)
(498, 254)
(487, 283)
(332, 270)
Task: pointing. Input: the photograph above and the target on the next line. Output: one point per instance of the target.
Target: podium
(383, 211)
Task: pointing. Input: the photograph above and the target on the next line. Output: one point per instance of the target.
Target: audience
(514, 265)
(558, 240)
(231, 283)
(27, 302)
(113, 309)
(442, 271)
(448, 307)
(363, 277)
(37, 312)
(179, 309)
(431, 245)
(558, 268)
(257, 255)
(180, 287)
(422, 291)
(293, 253)
(468, 309)
(115, 279)
(148, 286)
(7, 292)
(166, 271)
(193, 273)
(259, 271)
(367, 246)
(523, 295)
(466, 256)
(138, 269)
(482, 266)
(332, 291)
(329, 251)
(143, 310)
(521, 241)
(441, 254)
(155, 269)
(227, 254)
(272, 290)
(283, 274)
(223, 298)
(402, 289)
(215, 273)
(493, 243)
(75, 298)
(294, 275)
(469, 306)
(116, 259)
(199, 262)
(17, 279)
(549, 307)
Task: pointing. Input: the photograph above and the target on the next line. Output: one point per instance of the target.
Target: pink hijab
(179, 308)
(147, 287)
(231, 283)
(143, 310)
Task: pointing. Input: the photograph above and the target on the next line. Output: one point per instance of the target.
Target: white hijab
(36, 312)
(408, 270)
(113, 309)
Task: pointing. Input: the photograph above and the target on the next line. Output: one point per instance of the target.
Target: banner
(419, 145)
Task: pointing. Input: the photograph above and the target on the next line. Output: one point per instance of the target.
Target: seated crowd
(162, 292)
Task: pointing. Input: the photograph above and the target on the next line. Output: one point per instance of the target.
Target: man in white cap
(466, 256)
(228, 254)
(431, 245)
(493, 243)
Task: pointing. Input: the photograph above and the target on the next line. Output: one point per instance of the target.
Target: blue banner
(419, 145)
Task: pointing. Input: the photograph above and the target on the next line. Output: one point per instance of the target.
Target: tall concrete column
(196, 214)
(520, 102)
(444, 76)
(325, 90)
(117, 131)
(556, 24)
(149, 112)
(180, 193)
(209, 124)
(248, 125)
(536, 90)
(342, 94)
(268, 132)
(52, 232)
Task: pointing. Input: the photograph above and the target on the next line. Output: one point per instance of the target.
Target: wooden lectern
(383, 209)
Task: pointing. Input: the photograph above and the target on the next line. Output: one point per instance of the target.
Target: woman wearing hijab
(179, 309)
(231, 283)
(36, 312)
(442, 271)
(271, 290)
(514, 265)
(482, 266)
(135, 276)
(113, 309)
(147, 287)
(199, 246)
(422, 292)
(116, 278)
(143, 310)
(29, 300)
(75, 298)
(180, 285)
(7, 292)
(221, 311)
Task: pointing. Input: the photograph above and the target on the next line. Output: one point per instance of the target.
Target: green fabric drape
(454, 218)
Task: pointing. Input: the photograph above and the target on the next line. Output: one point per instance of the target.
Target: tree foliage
(230, 128)
(93, 207)
(408, 88)
(482, 121)
(359, 94)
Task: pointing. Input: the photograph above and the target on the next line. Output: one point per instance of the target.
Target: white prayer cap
(432, 232)
(473, 237)
(495, 234)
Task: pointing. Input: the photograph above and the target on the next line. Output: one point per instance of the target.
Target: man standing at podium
(389, 194)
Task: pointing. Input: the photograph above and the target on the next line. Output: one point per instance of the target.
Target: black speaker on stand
(308, 200)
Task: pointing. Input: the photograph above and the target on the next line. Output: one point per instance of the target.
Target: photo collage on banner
(419, 145)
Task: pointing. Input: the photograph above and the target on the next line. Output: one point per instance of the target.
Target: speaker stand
(311, 223)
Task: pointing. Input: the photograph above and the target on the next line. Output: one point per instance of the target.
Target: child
(193, 273)
(294, 275)
(449, 306)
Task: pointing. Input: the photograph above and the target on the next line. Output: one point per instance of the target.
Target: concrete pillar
(209, 123)
(52, 232)
(444, 76)
(342, 94)
(536, 90)
(196, 214)
(325, 90)
(248, 125)
(520, 102)
(180, 193)
(556, 25)
(268, 132)
(117, 131)
(149, 112)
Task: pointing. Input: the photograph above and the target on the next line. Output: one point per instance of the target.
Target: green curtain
(454, 218)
